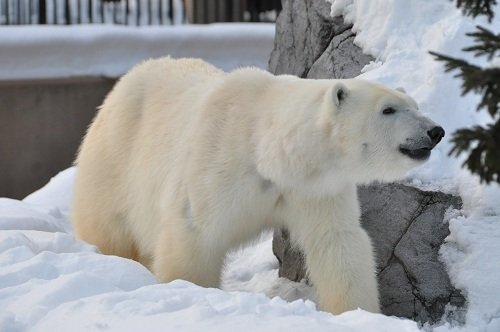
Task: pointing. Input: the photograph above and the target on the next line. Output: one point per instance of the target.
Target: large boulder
(407, 228)
(310, 43)
(406, 224)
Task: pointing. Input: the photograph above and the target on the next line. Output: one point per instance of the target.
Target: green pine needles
(482, 143)
(477, 7)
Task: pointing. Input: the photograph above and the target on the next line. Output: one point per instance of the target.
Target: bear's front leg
(338, 252)
(341, 268)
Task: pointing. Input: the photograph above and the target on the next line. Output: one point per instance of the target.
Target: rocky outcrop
(310, 43)
(407, 228)
(406, 224)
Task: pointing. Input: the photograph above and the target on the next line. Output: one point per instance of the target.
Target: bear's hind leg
(106, 232)
(179, 254)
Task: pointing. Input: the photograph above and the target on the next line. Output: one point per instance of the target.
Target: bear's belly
(240, 210)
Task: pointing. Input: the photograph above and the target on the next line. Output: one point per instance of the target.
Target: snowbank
(30, 52)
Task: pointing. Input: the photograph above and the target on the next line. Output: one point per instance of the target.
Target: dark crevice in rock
(329, 40)
(424, 203)
(309, 46)
(344, 29)
(349, 35)
(413, 290)
(334, 45)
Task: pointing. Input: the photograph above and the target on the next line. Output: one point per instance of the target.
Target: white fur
(184, 162)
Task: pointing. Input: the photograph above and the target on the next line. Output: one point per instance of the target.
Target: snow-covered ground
(50, 281)
(30, 52)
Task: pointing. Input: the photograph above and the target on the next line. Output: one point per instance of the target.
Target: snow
(51, 281)
(40, 52)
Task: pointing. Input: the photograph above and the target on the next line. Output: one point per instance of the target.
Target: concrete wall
(41, 125)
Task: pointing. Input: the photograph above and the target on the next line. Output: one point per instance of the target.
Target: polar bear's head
(381, 132)
(326, 134)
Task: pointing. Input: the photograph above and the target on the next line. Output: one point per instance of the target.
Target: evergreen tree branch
(481, 144)
(482, 81)
(487, 43)
(477, 7)
(484, 156)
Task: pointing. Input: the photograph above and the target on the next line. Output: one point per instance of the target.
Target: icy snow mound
(30, 52)
(49, 281)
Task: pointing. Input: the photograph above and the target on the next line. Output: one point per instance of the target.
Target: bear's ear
(339, 93)
(400, 89)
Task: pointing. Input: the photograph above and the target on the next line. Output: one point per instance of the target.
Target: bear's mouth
(417, 154)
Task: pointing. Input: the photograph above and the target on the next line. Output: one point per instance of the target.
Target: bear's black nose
(436, 134)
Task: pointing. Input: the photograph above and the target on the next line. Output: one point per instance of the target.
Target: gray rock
(304, 30)
(290, 258)
(405, 224)
(407, 228)
(341, 59)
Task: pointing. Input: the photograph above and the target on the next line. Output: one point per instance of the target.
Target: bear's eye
(389, 110)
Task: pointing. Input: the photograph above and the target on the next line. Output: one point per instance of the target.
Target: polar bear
(185, 162)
